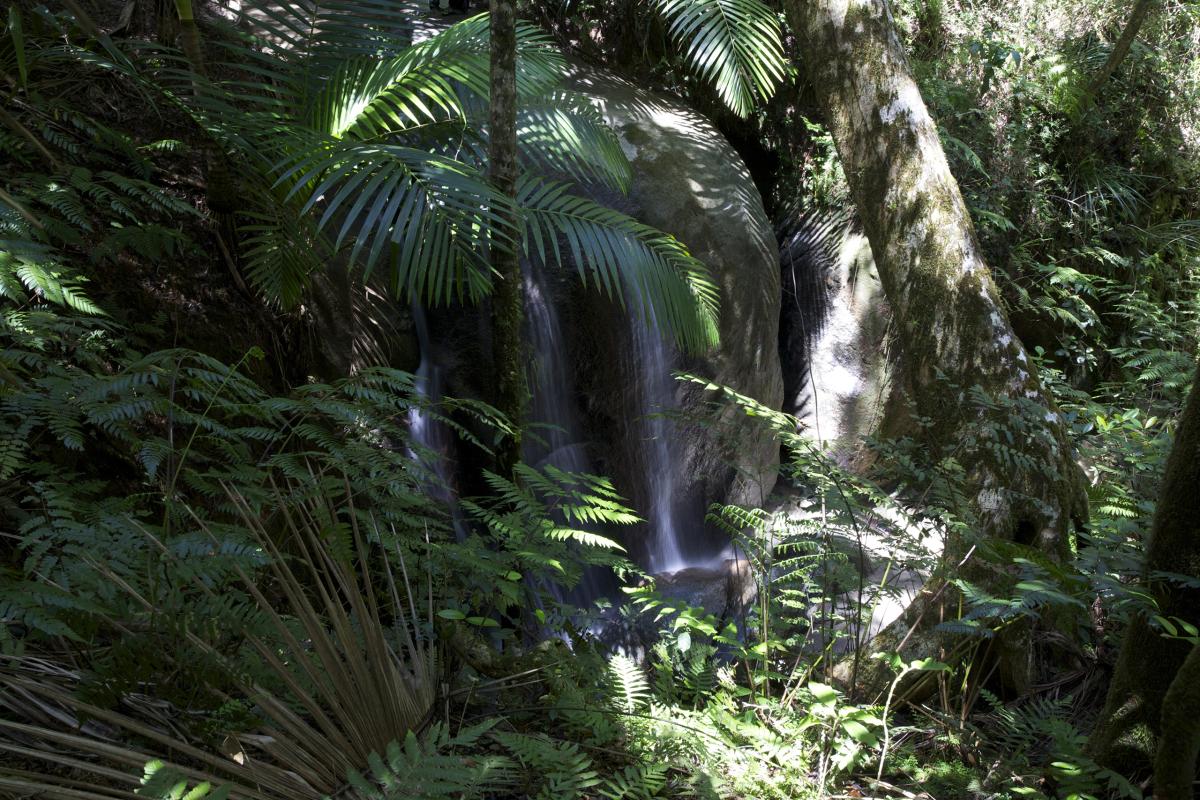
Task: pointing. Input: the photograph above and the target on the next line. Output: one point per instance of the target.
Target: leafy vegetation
(231, 570)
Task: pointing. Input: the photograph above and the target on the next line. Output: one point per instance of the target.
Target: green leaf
(17, 33)
(859, 732)
(823, 693)
(619, 255)
(734, 44)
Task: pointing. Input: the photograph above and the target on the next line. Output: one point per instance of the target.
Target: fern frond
(630, 688)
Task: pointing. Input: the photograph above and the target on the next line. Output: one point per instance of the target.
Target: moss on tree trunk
(1175, 763)
(955, 335)
(507, 298)
(1134, 716)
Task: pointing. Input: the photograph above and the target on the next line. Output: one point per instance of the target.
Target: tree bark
(1175, 763)
(1141, 10)
(220, 186)
(1135, 717)
(507, 297)
(954, 333)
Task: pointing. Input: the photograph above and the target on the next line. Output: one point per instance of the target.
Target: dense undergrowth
(219, 578)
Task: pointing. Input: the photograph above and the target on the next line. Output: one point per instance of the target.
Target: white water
(656, 393)
(554, 436)
(432, 435)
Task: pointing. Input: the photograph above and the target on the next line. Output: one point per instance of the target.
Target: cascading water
(656, 392)
(555, 437)
(434, 439)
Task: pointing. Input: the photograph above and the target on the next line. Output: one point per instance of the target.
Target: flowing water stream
(430, 433)
(656, 393)
(555, 436)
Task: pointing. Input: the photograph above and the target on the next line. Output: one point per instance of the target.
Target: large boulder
(835, 342)
(691, 183)
(688, 181)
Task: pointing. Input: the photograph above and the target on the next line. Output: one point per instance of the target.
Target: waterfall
(431, 434)
(656, 393)
(554, 436)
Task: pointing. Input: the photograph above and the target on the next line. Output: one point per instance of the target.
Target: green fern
(433, 767)
(638, 782)
(630, 691)
(554, 769)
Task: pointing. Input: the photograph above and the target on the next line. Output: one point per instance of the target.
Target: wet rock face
(726, 590)
(834, 334)
(689, 182)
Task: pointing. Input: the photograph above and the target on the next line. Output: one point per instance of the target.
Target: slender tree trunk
(507, 298)
(955, 335)
(1135, 716)
(1141, 10)
(220, 186)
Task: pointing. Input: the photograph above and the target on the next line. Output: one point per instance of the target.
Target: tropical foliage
(231, 570)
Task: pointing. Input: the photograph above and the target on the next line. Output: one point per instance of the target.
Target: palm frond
(352, 92)
(429, 82)
(277, 264)
(432, 216)
(319, 35)
(351, 671)
(617, 252)
(564, 133)
(734, 44)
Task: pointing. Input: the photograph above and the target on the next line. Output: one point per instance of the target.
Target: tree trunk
(1135, 717)
(1175, 763)
(954, 333)
(220, 186)
(507, 298)
(1141, 10)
